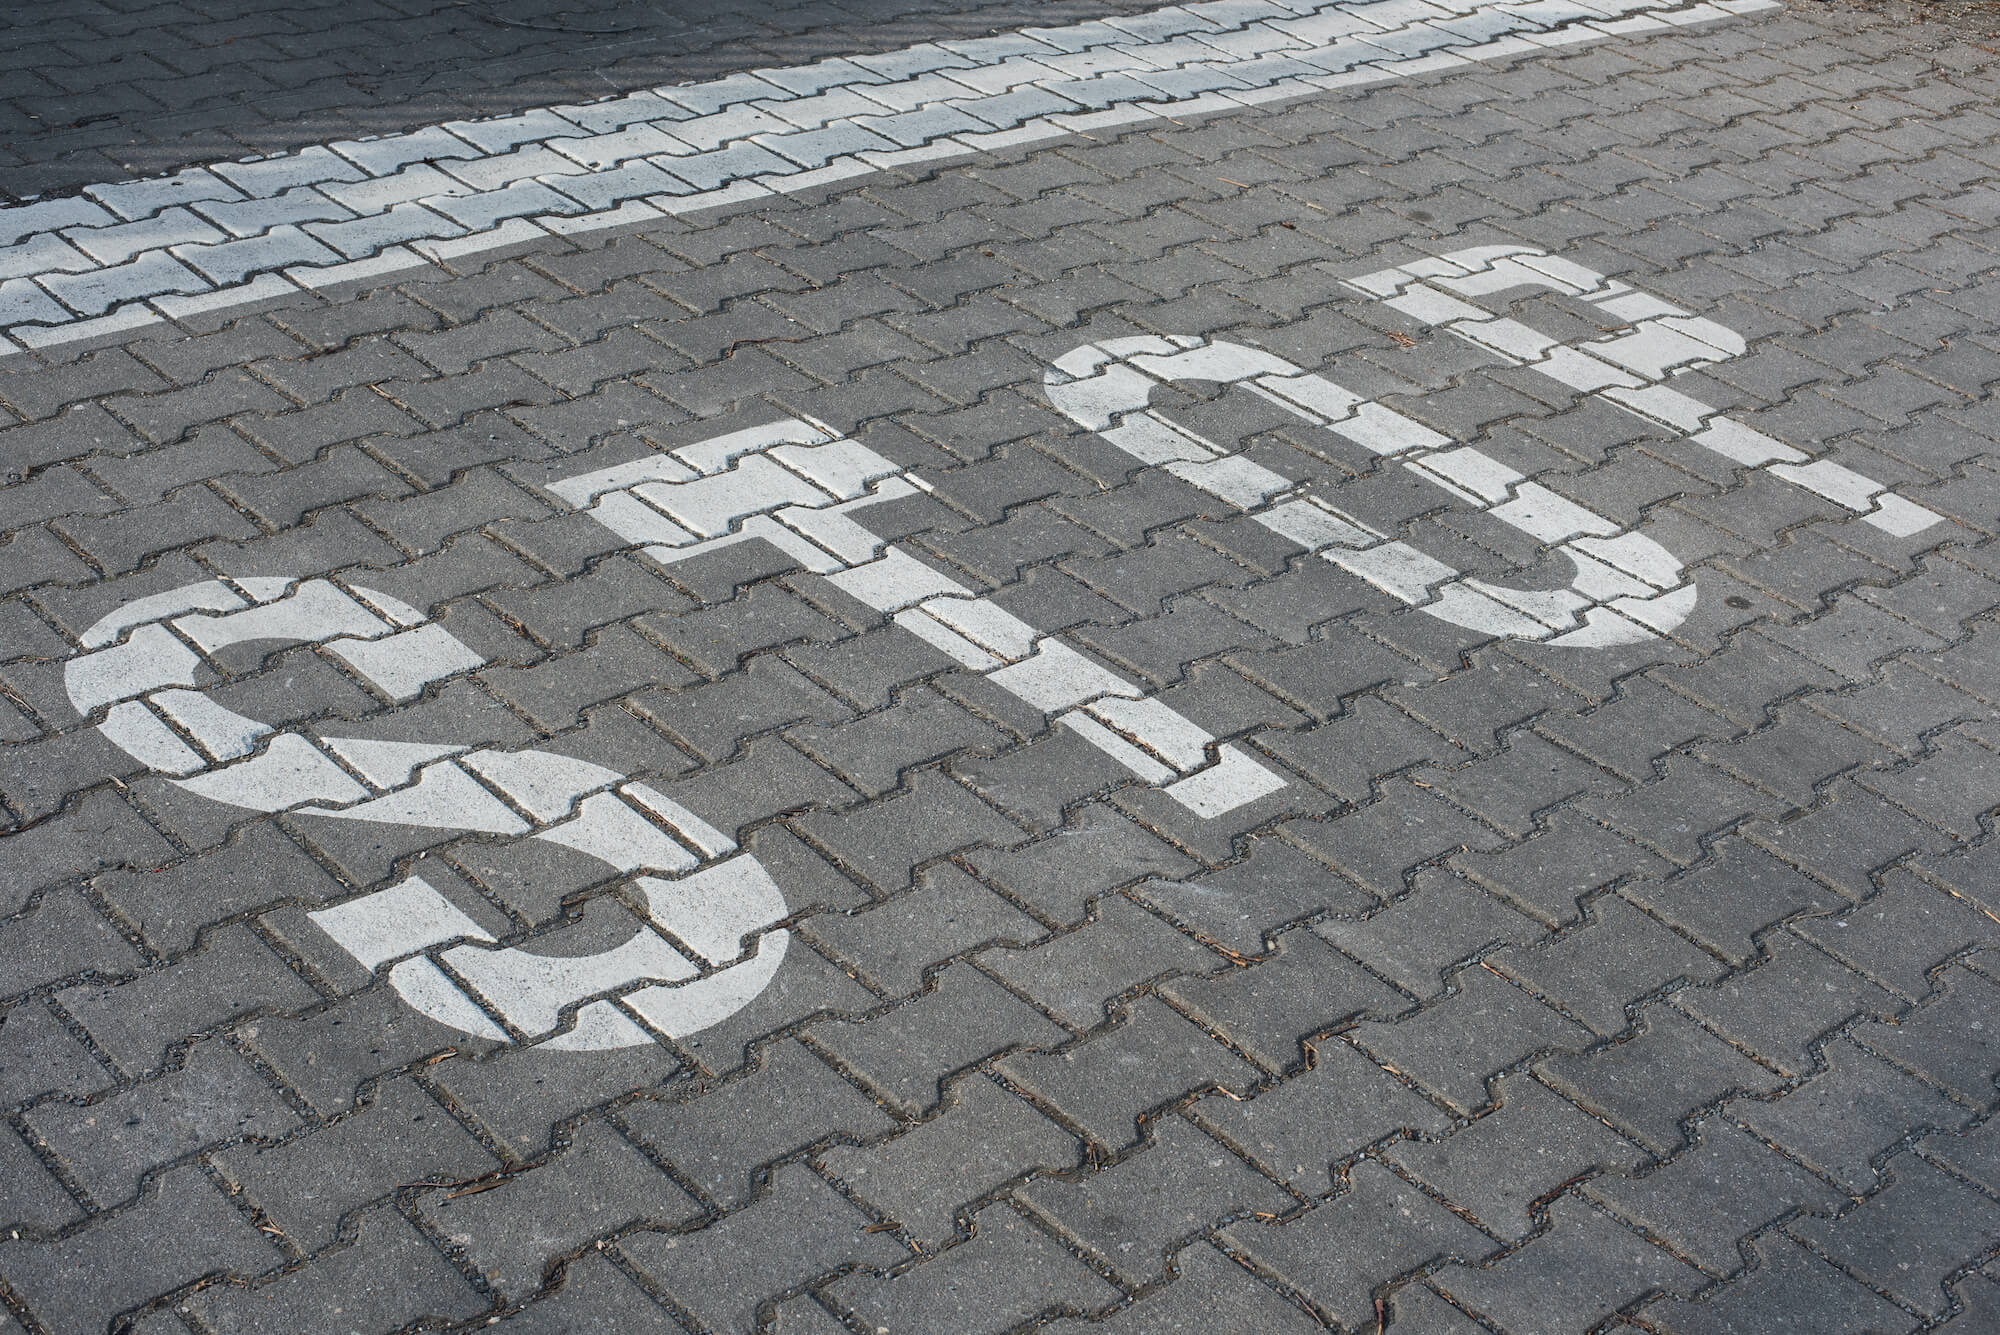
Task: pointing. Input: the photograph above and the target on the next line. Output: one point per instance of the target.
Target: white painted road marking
(120, 257)
(806, 489)
(1106, 386)
(210, 238)
(1626, 589)
(1626, 368)
(720, 907)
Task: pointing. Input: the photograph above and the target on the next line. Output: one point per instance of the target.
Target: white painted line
(732, 488)
(401, 920)
(1624, 368)
(142, 662)
(1115, 379)
(209, 238)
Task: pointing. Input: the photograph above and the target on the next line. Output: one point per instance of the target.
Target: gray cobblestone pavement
(91, 92)
(1377, 711)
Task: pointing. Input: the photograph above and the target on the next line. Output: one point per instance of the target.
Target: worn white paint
(145, 669)
(444, 797)
(612, 832)
(147, 740)
(401, 920)
(691, 828)
(1626, 587)
(532, 989)
(209, 238)
(831, 538)
(401, 665)
(149, 657)
(223, 733)
(1114, 381)
(316, 610)
(386, 764)
(541, 783)
(1624, 368)
(289, 772)
(712, 938)
(717, 910)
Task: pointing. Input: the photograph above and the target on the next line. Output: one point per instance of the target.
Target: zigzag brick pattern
(1454, 1027)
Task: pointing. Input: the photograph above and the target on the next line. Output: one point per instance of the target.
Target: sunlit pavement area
(1262, 666)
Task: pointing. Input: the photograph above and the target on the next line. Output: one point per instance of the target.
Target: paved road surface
(1264, 666)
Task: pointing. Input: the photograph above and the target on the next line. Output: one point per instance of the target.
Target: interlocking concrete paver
(1699, 1071)
(796, 1232)
(904, 1054)
(1947, 1041)
(1169, 718)
(596, 1187)
(136, 1023)
(1575, 1275)
(894, 944)
(1335, 1254)
(1677, 1201)
(307, 1186)
(595, 1294)
(1078, 975)
(1212, 1292)
(927, 1175)
(1502, 1165)
(719, 1139)
(1268, 1008)
(215, 1097)
(1456, 1046)
(1105, 1087)
(1129, 1216)
(1238, 906)
(1886, 1241)
(1598, 969)
(391, 1275)
(1340, 1105)
(1417, 938)
(33, 1197)
(183, 1230)
(1006, 1274)
(1792, 1289)
(1057, 876)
